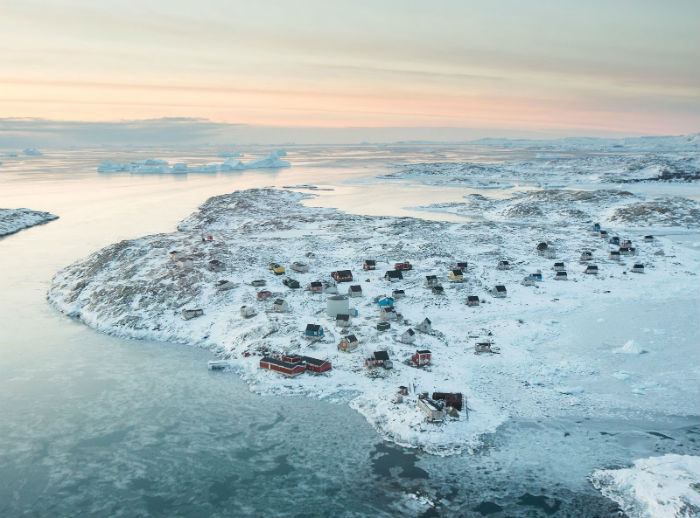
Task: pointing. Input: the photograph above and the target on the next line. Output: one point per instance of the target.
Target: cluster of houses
(338, 308)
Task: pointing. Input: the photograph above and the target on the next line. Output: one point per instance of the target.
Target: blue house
(384, 301)
(596, 227)
(313, 330)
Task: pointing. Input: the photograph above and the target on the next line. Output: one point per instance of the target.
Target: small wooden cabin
(248, 311)
(369, 264)
(438, 290)
(224, 285)
(342, 276)
(499, 291)
(503, 265)
(315, 287)
(313, 330)
(348, 343)
(383, 326)
(456, 275)
(472, 300)
(559, 267)
(387, 313)
(560, 276)
(586, 255)
(408, 336)
(430, 281)
(355, 290)
(393, 275)
(342, 320)
(614, 255)
(189, 314)
(638, 268)
(379, 359)
(300, 267)
(426, 326)
(264, 294)
(421, 357)
(280, 305)
(216, 266)
(398, 294)
(591, 269)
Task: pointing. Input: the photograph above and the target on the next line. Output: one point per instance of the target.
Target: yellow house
(277, 269)
(456, 275)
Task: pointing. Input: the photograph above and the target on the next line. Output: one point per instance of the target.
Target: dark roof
(558, 264)
(275, 361)
(500, 287)
(398, 291)
(426, 319)
(351, 338)
(313, 361)
(638, 265)
(431, 277)
(342, 316)
(380, 355)
(457, 272)
(394, 273)
(592, 267)
(410, 331)
(542, 246)
(503, 262)
(383, 325)
(355, 287)
(563, 274)
(387, 308)
(462, 264)
(370, 261)
(472, 297)
(423, 351)
(316, 284)
(344, 273)
(438, 288)
(279, 301)
(312, 327)
(615, 252)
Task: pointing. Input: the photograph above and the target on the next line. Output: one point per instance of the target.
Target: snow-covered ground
(666, 486)
(157, 166)
(14, 220)
(134, 289)
(555, 171)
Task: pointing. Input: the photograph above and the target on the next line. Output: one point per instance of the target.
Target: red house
(422, 357)
(316, 365)
(283, 367)
(264, 294)
(342, 276)
(369, 264)
(403, 266)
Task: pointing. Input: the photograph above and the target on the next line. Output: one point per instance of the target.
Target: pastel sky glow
(628, 66)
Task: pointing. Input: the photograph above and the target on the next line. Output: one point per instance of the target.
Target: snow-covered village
(335, 260)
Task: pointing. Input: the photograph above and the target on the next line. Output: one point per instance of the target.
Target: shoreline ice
(14, 220)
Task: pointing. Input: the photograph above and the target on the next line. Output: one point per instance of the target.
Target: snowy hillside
(14, 220)
(135, 289)
(551, 171)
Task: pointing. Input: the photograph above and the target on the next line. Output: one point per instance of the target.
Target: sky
(447, 68)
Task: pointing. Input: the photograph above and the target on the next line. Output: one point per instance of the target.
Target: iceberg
(229, 155)
(14, 220)
(155, 166)
(32, 152)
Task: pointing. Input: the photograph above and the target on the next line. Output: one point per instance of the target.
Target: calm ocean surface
(92, 425)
